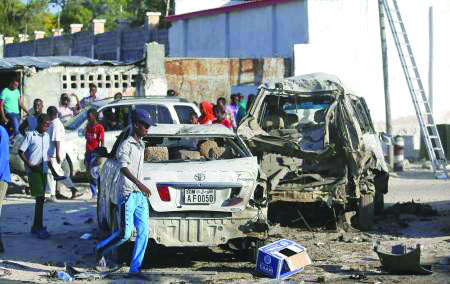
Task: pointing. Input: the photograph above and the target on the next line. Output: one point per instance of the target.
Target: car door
(114, 119)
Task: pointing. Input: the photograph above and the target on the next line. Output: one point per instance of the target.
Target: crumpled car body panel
(327, 130)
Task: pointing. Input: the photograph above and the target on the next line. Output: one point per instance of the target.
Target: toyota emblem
(199, 177)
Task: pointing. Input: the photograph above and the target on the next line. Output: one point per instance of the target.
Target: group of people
(228, 115)
(44, 156)
(43, 149)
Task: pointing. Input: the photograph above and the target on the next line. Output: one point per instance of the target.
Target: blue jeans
(133, 211)
(15, 121)
(93, 171)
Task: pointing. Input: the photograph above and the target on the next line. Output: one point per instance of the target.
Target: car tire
(379, 203)
(257, 244)
(366, 212)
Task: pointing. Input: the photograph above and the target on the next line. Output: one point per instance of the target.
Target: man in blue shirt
(5, 173)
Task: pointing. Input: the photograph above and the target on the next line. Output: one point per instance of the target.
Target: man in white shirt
(57, 152)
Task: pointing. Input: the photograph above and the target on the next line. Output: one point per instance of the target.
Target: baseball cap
(142, 115)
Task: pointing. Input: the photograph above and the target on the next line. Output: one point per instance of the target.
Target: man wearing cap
(131, 196)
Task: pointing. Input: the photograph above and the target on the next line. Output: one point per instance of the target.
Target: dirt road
(335, 255)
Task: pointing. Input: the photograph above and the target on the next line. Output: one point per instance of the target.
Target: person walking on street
(34, 153)
(10, 104)
(30, 123)
(95, 137)
(5, 173)
(57, 154)
(132, 195)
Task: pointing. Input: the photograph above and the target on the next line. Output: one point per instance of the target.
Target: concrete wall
(211, 78)
(123, 45)
(268, 31)
(49, 84)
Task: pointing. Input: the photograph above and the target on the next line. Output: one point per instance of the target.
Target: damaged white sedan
(206, 188)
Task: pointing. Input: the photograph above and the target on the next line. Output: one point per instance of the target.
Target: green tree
(18, 17)
(138, 8)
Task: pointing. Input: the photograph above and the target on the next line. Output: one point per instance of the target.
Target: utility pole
(430, 59)
(387, 99)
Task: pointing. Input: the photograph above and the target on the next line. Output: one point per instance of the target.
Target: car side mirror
(81, 132)
(101, 152)
(385, 138)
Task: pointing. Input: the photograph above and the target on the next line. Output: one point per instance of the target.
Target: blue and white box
(282, 259)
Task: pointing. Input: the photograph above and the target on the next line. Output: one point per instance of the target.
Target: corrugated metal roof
(43, 62)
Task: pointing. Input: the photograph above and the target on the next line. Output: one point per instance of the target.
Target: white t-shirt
(57, 132)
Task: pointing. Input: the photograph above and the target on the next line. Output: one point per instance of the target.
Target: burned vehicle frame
(315, 142)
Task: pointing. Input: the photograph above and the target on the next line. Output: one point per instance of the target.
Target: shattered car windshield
(185, 149)
(291, 112)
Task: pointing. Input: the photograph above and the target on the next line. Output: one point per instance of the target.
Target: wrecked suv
(206, 188)
(315, 142)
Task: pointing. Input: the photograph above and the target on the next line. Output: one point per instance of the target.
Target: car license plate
(199, 196)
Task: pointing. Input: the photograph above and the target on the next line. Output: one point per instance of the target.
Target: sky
(345, 40)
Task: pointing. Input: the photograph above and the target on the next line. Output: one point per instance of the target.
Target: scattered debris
(86, 236)
(64, 276)
(403, 260)
(358, 276)
(412, 208)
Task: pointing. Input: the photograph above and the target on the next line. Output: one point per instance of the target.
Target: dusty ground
(335, 256)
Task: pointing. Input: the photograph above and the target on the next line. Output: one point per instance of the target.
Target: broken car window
(181, 149)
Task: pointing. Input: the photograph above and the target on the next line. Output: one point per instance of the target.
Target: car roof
(139, 100)
(193, 130)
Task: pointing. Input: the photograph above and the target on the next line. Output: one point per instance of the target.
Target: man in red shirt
(95, 137)
(220, 117)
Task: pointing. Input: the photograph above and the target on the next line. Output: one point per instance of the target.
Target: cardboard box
(282, 259)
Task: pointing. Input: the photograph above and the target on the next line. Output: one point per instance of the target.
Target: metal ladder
(420, 100)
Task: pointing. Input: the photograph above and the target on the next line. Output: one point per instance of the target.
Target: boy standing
(132, 195)
(95, 137)
(34, 153)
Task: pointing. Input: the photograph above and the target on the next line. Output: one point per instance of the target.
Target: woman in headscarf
(206, 110)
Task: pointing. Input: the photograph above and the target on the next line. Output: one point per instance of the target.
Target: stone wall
(210, 78)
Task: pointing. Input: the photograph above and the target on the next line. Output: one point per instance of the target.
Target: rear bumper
(199, 231)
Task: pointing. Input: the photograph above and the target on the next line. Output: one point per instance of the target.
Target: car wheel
(379, 203)
(366, 212)
(256, 245)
